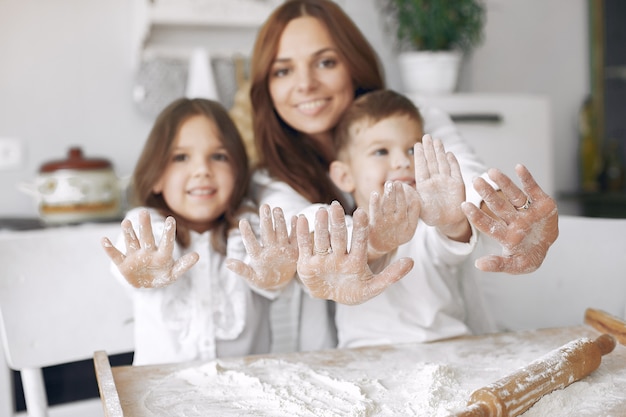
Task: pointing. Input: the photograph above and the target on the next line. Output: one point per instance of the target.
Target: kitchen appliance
(77, 189)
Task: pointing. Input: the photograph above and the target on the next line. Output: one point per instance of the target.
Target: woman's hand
(440, 186)
(393, 218)
(273, 259)
(525, 222)
(146, 265)
(329, 270)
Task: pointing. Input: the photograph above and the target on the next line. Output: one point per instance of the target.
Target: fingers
(280, 225)
(250, 242)
(267, 225)
(430, 159)
(115, 255)
(534, 191)
(168, 238)
(483, 222)
(360, 235)
(241, 268)
(130, 238)
(379, 283)
(321, 235)
(184, 264)
(305, 244)
(430, 154)
(338, 229)
(146, 237)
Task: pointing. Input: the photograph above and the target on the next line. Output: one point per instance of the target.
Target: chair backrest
(585, 267)
(59, 302)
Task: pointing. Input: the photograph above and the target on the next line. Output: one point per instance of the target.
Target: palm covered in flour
(146, 265)
(441, 190)
(331, 270)
(273, 255)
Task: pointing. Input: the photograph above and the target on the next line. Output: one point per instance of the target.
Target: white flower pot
(427, 72)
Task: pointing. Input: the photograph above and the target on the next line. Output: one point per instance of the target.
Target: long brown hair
(287, 154)
(157, 152)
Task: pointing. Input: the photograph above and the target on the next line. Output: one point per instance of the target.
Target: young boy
(379, 140)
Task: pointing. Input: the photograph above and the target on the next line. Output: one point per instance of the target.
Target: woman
(310, 61)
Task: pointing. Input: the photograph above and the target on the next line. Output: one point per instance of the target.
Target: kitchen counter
(432, 379)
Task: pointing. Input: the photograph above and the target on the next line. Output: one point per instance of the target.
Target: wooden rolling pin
(606, 323)
(516, 393)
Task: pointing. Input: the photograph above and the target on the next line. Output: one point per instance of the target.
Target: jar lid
(75, 160)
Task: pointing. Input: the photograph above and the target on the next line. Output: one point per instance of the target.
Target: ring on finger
(524, 206)
(326, 251)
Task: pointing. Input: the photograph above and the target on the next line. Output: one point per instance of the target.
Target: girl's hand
(393, 218)
(273, 259)
(146, 265)
(525, 223)
(441, 189)
(330, 271)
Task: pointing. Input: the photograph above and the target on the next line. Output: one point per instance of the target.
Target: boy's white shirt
(209, 311)
(315, 327)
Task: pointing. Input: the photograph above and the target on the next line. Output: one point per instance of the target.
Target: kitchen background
(68, 71)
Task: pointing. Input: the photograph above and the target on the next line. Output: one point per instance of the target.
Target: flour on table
(339, 384)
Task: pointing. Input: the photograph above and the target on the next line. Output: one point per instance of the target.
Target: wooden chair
(59, 304)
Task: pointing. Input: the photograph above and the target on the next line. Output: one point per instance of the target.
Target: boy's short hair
(374, 107)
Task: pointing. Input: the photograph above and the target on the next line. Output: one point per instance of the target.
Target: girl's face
(198, 180)
(309, 83)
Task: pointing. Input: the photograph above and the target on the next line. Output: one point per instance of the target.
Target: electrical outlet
(10, 153)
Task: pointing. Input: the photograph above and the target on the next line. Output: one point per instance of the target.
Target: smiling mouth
(311, 105)
(202, 191)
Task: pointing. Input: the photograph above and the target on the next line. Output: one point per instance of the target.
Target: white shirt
(426, 305)
(315, 324)
(208, 312)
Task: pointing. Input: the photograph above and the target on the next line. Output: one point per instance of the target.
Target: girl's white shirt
(316, 324)
(208, 312)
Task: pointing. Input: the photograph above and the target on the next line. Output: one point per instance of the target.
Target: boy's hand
(441, 189)
(393, 218)
(146, 265)
(330, 271)
(273, 259)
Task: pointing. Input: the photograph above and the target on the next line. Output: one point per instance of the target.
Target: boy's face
(377, 153)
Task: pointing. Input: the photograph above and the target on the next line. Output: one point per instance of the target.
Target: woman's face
(309, 82)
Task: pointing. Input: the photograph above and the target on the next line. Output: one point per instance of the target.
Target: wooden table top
(430, 379)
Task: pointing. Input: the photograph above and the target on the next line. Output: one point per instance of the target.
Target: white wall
(66, 79)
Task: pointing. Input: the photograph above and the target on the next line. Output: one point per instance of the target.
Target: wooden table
(432, 379)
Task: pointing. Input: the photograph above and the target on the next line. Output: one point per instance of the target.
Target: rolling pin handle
(606, 343)
(474, 410)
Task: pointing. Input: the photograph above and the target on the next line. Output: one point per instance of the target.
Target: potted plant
(437, 33)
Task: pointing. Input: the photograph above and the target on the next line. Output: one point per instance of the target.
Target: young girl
(188, 188)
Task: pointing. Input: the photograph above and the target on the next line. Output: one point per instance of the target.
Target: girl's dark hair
(157, 152)
(288, 155)
(374, 107)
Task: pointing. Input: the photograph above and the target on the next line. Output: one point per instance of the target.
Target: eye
(280, 72)
(220, 156)
(381, 152)
(410, 151)
(179, 157)
(327, 63)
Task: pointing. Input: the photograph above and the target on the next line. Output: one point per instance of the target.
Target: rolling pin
(516, 393)
(606, 323)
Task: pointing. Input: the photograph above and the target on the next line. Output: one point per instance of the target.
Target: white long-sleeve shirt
(208, 312)
(316, 329)
(426, 305)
